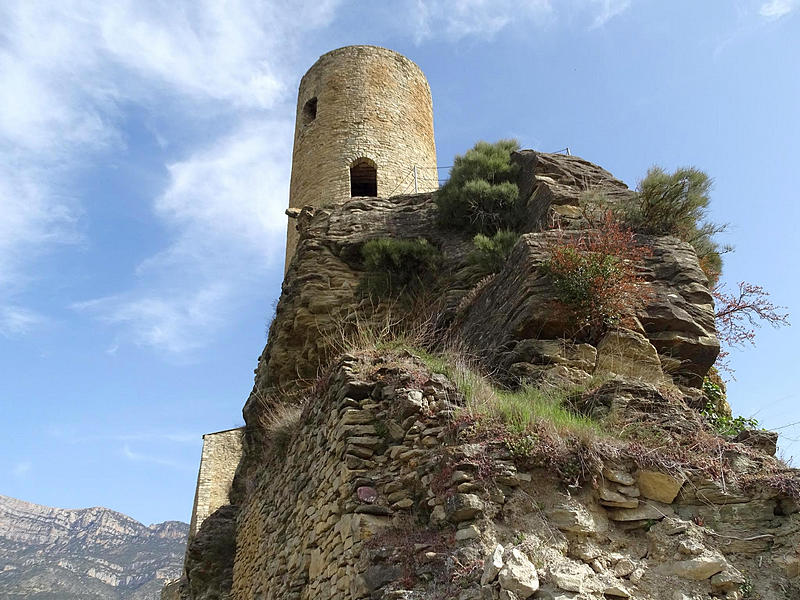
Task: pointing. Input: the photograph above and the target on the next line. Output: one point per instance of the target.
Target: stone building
(364, 127)
(220, 456)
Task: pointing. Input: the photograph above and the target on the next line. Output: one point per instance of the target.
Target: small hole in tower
(363, 178)
(309, 111)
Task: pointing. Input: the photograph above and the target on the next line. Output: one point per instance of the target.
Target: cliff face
(381, 494)
(392, 485)
(89, 553)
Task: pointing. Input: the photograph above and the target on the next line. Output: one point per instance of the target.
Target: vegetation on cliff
(491, 252)
(481, 195)
(462, 412)
(395, 266)
(596, 278)
(677, 204)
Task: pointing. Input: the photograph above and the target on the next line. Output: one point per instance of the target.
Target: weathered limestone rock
(551, 186)
(575, 517)
(629, 354)
(766, 441)
(644, 512)
(659, 486)
(699, 568)
(518, 575)
(519, 303)
(679, 316)
(492, 564)
(463, 507)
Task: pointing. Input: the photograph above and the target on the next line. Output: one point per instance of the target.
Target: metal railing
(410, 183)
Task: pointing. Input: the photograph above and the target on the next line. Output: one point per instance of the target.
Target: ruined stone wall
(221, 454)
(354, 465)
(380, 494)
(370, 103)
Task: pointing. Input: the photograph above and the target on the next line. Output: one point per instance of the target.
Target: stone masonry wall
(380, 493)
(371, 103)
(221, 454)
(352, 468)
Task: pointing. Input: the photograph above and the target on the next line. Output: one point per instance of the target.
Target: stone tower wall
(221, 454)
(370, 103)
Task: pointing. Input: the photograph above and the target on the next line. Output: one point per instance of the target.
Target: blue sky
(144, 163)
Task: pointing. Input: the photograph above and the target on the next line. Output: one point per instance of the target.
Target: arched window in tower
(309, 111)
(363, 178)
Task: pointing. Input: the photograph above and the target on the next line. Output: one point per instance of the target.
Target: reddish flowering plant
(739, 313)
(596, 277)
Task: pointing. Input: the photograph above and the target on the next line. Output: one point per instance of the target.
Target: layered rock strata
(379, 493)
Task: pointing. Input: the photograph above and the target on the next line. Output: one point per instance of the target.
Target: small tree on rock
(481, 195)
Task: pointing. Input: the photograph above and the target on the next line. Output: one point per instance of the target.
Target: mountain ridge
(84, 553)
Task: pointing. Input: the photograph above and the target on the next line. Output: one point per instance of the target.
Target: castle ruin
(372, 490)
(364, 127)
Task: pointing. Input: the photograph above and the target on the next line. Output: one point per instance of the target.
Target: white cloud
(607, 10)
(176, 322)
(67, 73)
(456, 19)
(229, 199)
(775, 9)
(70, 435)
(18, 320)
(226, 205)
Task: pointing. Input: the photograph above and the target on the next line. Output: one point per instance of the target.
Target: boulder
(699, 568)
(492, 564)
(630, 354)
(575, 517)
(646, 511)
(760, 439)
(463, 507)
(659, 486)
(518, 575)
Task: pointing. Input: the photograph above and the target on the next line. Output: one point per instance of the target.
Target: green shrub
(481, 195)
(725, 424)
(490, 253)
(677, 204)
(718, 412)
(396, 265)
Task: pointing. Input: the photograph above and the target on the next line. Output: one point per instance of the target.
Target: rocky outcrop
(320, 297)
(519, 307)
(381, 494)
(388, 487)
(86, 553)
(208, 569)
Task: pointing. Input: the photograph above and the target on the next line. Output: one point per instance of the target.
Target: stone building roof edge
(223, 431)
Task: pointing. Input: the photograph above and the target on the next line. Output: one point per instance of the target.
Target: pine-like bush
(395, 265)
(677, 204)
(481, 195)
(490, 253)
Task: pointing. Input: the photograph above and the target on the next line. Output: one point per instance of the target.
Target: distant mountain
(85, 554)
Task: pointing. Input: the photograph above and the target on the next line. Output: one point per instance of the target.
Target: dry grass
(279, 422)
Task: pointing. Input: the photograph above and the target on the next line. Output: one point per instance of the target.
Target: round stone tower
(364, 128)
